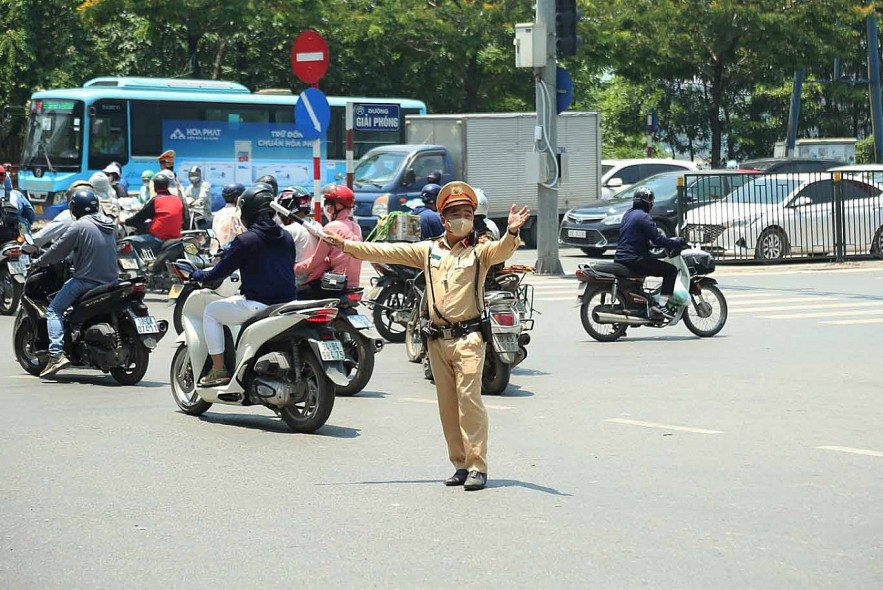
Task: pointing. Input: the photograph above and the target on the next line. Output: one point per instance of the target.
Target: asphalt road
(752, 459)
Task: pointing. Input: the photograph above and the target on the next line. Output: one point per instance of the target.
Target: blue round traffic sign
(312, 113)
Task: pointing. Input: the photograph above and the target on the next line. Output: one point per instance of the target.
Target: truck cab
(387, 177)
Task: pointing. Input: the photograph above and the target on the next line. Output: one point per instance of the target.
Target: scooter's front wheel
(706, 313)
(316, 401)
(595, 297)
(183, 384)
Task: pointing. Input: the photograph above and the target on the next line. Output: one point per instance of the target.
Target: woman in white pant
(264, 255)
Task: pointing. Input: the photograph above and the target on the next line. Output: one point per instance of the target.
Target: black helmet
(434, 177)
(161, 182)
(295, 198)
(254, 204)
(83, 202)
(430, 193)
(270, 180)
(231, 192)
(643, 198)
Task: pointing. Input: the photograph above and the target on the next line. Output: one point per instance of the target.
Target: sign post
(349, 145)
(309, 60)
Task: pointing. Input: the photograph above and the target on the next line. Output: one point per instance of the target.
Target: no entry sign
(309, 57)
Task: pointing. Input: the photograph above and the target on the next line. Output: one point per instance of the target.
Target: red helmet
(341, 194)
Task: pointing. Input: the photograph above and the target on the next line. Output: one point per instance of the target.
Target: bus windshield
(378, 169)
(55, 135)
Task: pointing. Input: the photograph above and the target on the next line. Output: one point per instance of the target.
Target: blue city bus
(232, 134)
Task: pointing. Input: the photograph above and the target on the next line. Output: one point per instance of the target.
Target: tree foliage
(717, 72)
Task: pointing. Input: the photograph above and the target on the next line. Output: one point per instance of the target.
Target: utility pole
(874, 86)
(794, 114)
(547, 189)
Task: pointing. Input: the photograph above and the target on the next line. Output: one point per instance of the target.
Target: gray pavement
(752, 459)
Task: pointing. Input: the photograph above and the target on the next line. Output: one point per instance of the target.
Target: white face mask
(459, 227)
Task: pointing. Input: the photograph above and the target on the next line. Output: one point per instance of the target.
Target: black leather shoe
(476, 481)
(458, 479)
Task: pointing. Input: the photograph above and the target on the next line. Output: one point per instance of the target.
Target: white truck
(494, 152)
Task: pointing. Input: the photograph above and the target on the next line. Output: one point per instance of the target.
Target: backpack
(9, 222)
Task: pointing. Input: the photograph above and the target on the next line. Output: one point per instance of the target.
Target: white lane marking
(822, 314)
(740, 295)
(853, 322)
(435, 403)
(663, 426)
(571, 298)
(853, 451)
(732, 272)
(781, 300)
(808, 307)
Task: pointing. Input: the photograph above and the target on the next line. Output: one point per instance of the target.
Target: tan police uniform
(457, 362)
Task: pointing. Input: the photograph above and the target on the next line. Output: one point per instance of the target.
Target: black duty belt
(452, 331)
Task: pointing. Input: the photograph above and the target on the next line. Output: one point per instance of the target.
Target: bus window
(147, 120)
(336, 135)
(55, 135)
(237, 113)
(108, 133)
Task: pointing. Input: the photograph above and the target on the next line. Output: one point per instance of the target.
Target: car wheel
(772, 246)
(593, 252)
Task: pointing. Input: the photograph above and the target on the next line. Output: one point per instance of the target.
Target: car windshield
(662, 185)
(764, 191)
(379, 168)
(55, 134)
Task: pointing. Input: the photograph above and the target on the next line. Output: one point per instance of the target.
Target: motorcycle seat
(613, 268)
(99, 291)
(290, 306)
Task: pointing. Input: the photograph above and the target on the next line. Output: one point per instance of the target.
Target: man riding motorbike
(264, 256)
(165, 212)
(198, 196)
(270, 180)
(298, 201)
(59, 224)
(338, 206)
(92, 239)
(430, 221)
(226, 223)
(637, 233)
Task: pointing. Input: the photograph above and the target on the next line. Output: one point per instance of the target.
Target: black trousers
(651, 267)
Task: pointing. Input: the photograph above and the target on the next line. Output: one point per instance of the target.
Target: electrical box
(530, 45)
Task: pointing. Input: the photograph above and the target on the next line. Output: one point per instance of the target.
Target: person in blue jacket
(637, 233)
(264, 256)
(430, 221)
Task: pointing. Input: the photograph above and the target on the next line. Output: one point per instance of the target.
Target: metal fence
(774, 217)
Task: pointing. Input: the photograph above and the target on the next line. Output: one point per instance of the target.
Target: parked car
(776, 215)
(618, 175)
(795, 165)
(867, 172)
(595, 228)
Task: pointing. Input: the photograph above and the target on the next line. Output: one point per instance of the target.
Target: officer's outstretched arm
(407, 254)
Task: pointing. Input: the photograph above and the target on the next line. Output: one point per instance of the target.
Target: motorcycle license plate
(359, 321)
(576, 233)
(129, 263)
(175, 291)
(17, 267)
(506, 342)
(331, 350)
(146, 325)
(371, 293)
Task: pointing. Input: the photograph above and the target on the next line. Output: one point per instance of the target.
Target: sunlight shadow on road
(514, 483)
(276, 425)
(99, 380)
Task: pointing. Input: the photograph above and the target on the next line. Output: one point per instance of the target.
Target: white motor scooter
(286, 358)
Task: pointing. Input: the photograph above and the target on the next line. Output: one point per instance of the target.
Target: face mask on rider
(459, 227)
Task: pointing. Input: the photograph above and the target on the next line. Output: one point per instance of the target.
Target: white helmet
(481, 209)
(101, 186)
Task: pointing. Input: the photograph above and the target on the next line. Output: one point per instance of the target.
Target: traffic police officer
(455, 269)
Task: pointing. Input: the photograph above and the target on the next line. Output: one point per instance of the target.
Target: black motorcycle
(108, 328)
(13, 264)
(393, 299)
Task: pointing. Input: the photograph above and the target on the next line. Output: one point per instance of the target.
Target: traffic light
(566, 18)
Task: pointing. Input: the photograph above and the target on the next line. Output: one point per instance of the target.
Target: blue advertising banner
(241, 152)
(376, 117)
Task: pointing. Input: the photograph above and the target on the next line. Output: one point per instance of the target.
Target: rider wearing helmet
(145, 193)
(264, 257)
(485, 229)
(165, 213)
(91, 238)
(637, 233)
(430, 221)
(306, 235)
(59, 224)
(338, 203)
(226, 223)
(270, 180)
(198, 195)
